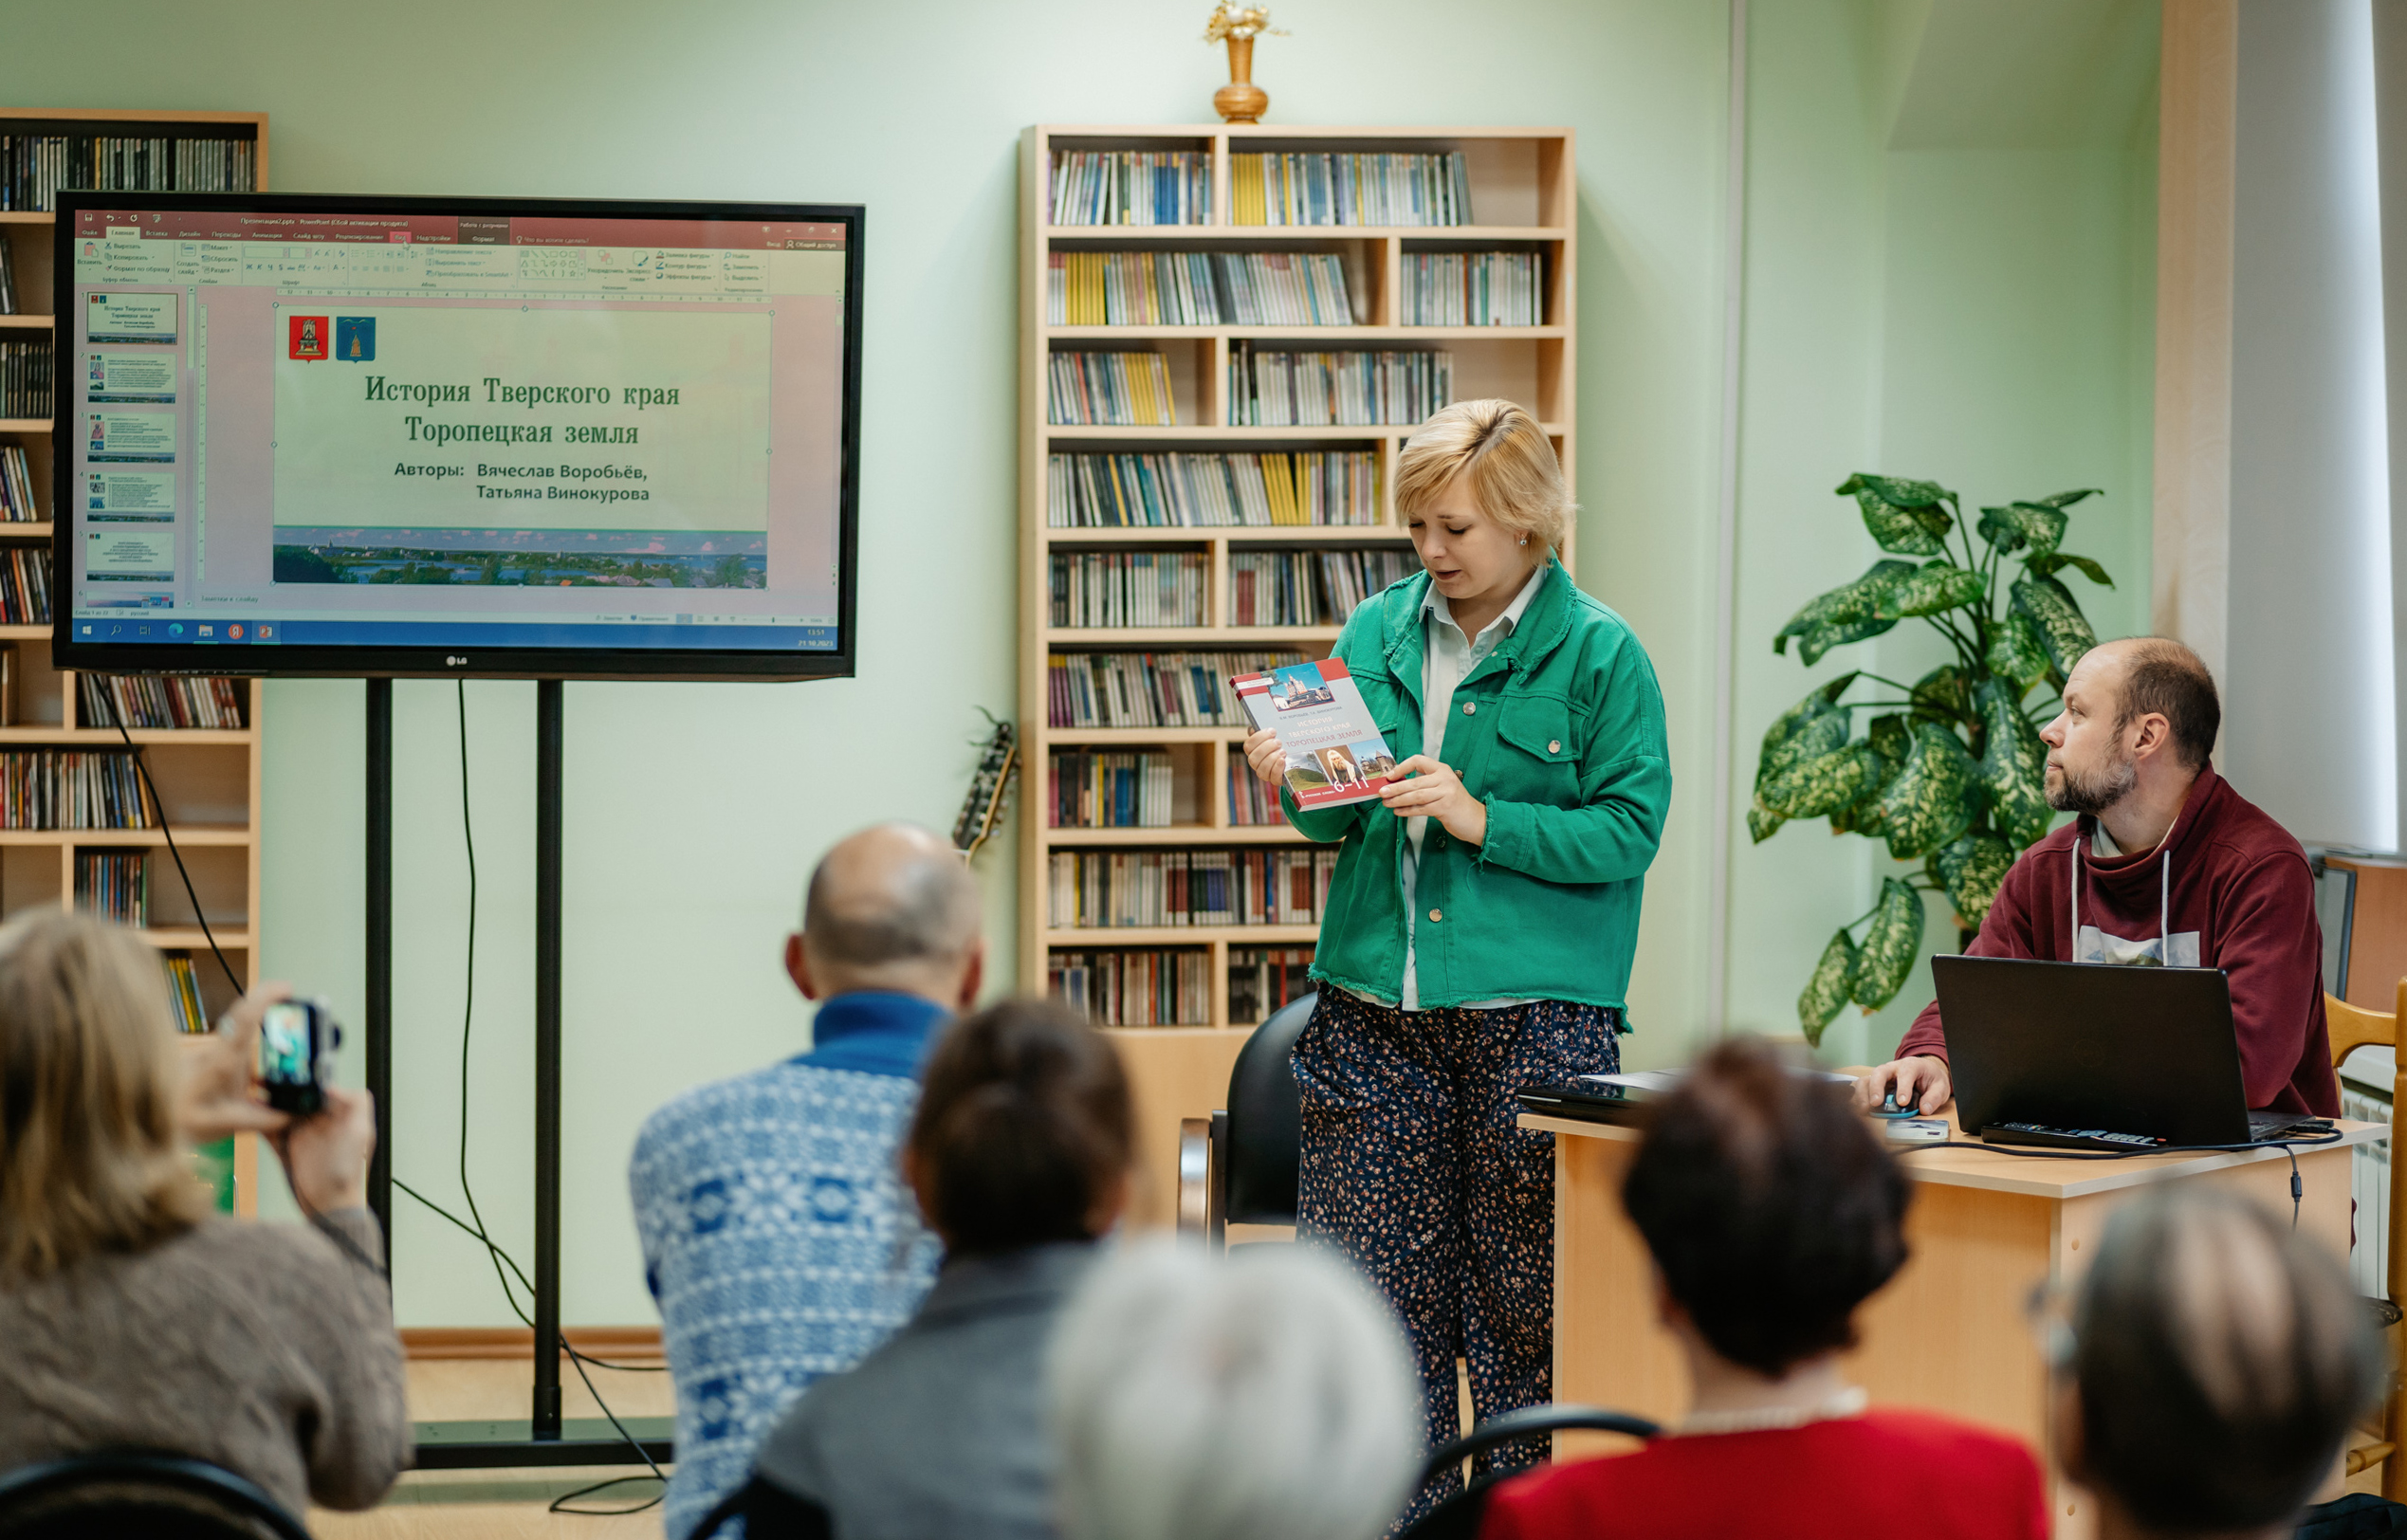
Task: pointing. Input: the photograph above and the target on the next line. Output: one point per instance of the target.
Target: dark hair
(1022, 1129)
(2165, 678)
(2221, 1358)
(1771, 1209)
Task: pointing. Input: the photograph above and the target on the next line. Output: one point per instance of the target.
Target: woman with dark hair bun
(1773, 1212)
(1018, 1155)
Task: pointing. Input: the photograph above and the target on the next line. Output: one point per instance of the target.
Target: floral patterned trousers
(1414, 1168)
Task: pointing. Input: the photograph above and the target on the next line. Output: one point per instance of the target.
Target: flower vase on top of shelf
(1241, 101)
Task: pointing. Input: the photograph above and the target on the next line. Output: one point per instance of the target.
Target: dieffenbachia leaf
(1903, 516)
(1816, 788)
(1970, 870)
(1827, 991)
(2037, 525)
(1929, 589)
(1847, 614)
(2049, 608)
(2066, 499)
(1932, 799)
(2015, 651)
(1808, 730)
(1941, 695)
(2056, 562)
(1887, 959)
(2014, 766)
(1890, 737)
(1890, 741)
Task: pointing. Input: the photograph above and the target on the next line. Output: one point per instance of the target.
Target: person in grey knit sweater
(133, 1317)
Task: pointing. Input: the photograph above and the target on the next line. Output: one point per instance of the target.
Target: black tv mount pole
(546, 1438)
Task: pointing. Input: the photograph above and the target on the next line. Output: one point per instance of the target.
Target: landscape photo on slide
(525, 558)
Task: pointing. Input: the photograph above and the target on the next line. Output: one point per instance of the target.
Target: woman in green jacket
(1478, 933)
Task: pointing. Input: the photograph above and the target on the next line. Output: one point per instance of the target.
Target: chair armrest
(1195, 1176)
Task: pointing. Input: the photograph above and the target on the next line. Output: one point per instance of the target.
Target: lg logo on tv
(456, 663)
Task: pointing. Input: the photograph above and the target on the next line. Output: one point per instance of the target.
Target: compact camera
(297, 1043)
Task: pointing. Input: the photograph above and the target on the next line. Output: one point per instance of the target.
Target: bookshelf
(208, 779)
(1522, 198)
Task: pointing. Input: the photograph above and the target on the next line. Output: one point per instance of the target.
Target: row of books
(1197, 289)
(16, 480)
(1154, 986)
(1263, 978)
(33, 167)
(1131, 187)
(24, 585)
(1470, 289)
(155, 701)
(7, 278)
(1193, 492)
(1335, 187)
(1280, 389)
(1111, 390)
(24, 377)
(1151, 690)
(1309, 588)
(183, 993)
(1106, 889)
(114, 885)
(1250, 803)
(1129, 588)
(71, 789)
(1085, 789)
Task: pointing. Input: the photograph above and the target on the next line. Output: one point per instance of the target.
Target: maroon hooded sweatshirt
(2228, 889)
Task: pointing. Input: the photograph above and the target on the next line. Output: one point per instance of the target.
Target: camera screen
(285, 1056)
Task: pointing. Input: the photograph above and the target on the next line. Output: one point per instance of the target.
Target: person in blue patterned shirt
(778, 1238)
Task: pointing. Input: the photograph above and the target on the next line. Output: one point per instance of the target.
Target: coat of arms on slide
(356, 338)
(308, 339)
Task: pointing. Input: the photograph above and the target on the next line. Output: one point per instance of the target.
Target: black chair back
(1459, 1517)
(1265, 1138)
(138, 1491)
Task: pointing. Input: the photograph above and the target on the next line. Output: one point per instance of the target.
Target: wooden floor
(507, 1505)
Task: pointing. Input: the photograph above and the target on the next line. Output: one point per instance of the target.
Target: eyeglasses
(2049, 1309)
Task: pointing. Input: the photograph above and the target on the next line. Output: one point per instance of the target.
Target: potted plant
(1949, 770)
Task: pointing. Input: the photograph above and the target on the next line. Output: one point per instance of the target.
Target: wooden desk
(1948, 1333)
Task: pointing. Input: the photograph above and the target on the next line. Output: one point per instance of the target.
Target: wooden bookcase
(208, 780)
(1523, 196)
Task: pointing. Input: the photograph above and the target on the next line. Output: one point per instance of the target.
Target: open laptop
(2097, 1056)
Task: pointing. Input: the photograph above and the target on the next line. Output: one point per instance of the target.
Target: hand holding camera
(284, 1048)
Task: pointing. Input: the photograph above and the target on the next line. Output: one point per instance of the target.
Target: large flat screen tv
(508, 437)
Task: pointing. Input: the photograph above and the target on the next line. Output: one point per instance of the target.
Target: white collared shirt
(1448, 658)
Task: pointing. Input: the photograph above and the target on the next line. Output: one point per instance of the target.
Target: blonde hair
(90, 1158)
(1514, 477)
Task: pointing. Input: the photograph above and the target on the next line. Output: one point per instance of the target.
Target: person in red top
(2166, 864)
(1771, 1212)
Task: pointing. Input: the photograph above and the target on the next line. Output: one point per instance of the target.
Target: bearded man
(2166, 865)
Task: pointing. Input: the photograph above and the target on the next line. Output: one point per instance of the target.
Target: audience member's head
(90, 1152)
(1770, 1209)
(1023, 1136)
(891, 907)
(2139, 708)
(2217, 1359)
(1264, 1394)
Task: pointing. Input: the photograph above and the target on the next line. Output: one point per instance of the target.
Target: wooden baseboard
(617, 1344)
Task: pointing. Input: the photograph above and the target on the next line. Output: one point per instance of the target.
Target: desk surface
(2039, 1175)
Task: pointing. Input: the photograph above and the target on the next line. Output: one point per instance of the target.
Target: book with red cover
(1334, 752)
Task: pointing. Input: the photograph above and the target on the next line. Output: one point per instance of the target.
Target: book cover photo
(1334, 752)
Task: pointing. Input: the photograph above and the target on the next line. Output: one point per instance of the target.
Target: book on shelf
(1197, 289)
(114, 885)
(1129, 588)
(1250, 803)
(1172, 490)
(72, 789)
(1309, 588)
(158, 701)
(1131, 187)
(1470, 289)
(1322, 187)
(1263, 978)
(1150, 689)
(1335, 752)
(1092, 389)
(33, 167)
(24, 585)
(1153, 986)
(183, 993)
(1278, 388)
(1105, 890)
(7, 279)
(25, 376)
(1108, 789)
(16, 480)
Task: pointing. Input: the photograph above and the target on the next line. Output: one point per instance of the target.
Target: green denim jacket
(1565, 743)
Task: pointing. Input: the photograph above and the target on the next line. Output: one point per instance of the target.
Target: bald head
(889, 907)
(2158, 676)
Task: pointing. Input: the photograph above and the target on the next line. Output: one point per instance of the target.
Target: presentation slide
(358, 430)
